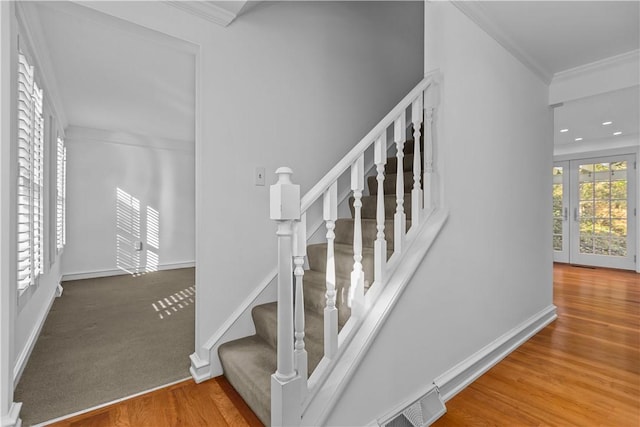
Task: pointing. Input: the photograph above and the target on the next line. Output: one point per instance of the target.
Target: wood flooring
(211, 403)
(582, 370)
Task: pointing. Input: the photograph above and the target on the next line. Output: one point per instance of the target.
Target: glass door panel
(601, 233)
(560, 212)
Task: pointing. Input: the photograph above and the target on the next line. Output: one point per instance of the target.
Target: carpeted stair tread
(248, 364)
(369, 206)
(390, 183)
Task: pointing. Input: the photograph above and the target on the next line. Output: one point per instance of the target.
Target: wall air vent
(422, 412)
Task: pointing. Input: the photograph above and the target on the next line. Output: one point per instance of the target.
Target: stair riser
(344, 232)
(390, 183)
(315, 299)
(317, 256)
(369, 206)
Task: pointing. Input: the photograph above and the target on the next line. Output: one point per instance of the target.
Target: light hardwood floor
(211, 403)
(582, 370)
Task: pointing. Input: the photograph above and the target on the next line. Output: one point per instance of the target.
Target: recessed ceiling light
(564, 130)
(578, 139)
(617, 133)
(606, 123)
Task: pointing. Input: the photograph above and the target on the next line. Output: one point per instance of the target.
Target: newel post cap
(284, 197)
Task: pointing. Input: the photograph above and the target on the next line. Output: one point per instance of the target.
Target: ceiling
(558, 35)
(112, 78)
(554, 36)
(584, 117)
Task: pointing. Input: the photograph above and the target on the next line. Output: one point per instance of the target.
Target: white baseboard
(119, 272)
(200, 369)
(205, 362)
(464, 373)
(12, 418)
(23, 357)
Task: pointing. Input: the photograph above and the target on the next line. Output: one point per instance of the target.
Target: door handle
(565, 215)
(575, 214)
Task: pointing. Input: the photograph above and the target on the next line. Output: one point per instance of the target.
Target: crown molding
(29, 20)
(613, 61)
(205, 10)
(475, 11)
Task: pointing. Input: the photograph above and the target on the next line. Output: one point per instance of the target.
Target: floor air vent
(420, 413)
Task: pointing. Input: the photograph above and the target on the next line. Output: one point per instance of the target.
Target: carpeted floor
(108, 338)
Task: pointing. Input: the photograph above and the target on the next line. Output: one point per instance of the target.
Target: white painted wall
(289, 83)
(491, 267)
(159, 173)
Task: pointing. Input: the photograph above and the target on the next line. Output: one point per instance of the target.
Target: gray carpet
(108, 338)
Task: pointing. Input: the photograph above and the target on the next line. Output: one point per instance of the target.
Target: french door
(594, 212)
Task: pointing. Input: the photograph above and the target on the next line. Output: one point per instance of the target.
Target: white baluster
(299, 252)
(285, 389)
(330, 214)
(356, 291)
(400, 219)
(380, 246)
(416, 192)
(428, 159)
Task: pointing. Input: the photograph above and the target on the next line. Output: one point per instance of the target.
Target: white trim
(12, 419)
(329, 392)
(103, 405)
(23, 357)
(464, 373)
(205, 10)
(203, 369)
(624, 58)
(625, 144)
(119, 272)
(474, 10)
(30, 21)
(83, 135)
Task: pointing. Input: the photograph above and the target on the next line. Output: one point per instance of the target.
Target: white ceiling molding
(607, 75)
(474, 11)
(208, 10)
(84, 135)
(628, 58)
(32, 31)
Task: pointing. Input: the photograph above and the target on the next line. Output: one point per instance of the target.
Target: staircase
(249, 362)
(280, 370)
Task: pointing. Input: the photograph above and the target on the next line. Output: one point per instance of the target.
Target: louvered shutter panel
(61, 165)
(25, 155)
(30, 191)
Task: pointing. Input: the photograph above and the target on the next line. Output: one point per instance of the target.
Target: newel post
(285, 382)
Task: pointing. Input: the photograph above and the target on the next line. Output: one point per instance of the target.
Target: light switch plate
(260, 178)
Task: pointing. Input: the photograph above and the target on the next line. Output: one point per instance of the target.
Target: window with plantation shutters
(61, 178)
(30, 194)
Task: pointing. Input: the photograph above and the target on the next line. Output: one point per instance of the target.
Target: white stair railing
(291, 390)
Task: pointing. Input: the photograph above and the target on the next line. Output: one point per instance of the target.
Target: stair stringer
(329, 389)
